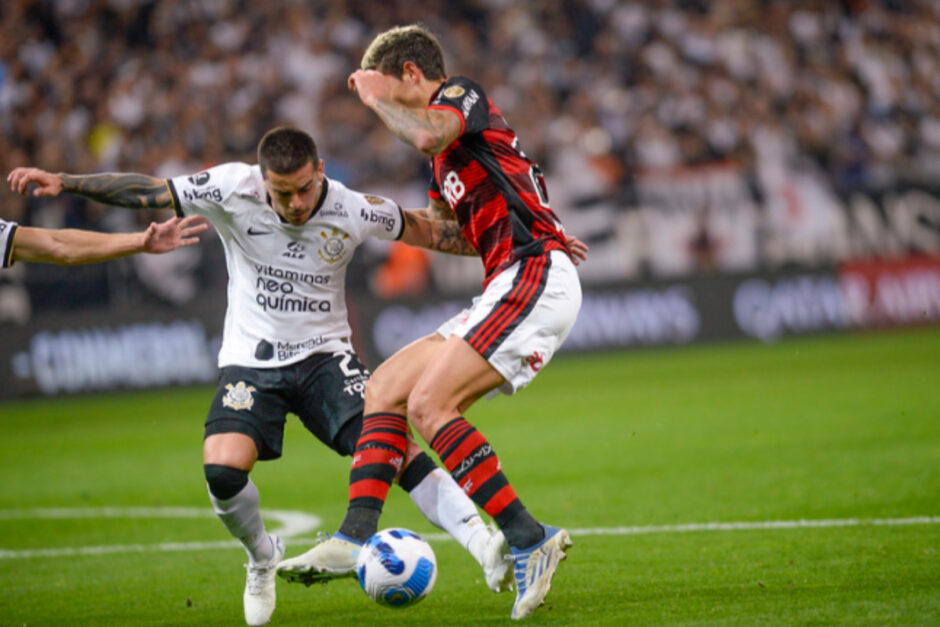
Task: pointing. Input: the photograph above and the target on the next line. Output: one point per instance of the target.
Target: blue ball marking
(421, 577)
(361, 575)
(403, 533)
(387, 557)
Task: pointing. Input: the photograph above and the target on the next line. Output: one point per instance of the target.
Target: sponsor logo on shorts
(239, 396)
(286, 350)
(356, 385)
(534, 361)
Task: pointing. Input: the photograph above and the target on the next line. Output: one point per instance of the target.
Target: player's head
(390, 50)
(292, 171)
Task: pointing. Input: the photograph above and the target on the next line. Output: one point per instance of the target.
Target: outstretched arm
(429, 228)
(134, 191)
(75, 246)
(428, 130)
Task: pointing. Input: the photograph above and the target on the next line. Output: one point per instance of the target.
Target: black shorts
(324, 390)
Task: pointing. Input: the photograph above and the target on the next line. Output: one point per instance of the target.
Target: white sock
(241, 515)
(442, 501)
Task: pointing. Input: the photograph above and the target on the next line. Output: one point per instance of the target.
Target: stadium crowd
(597, 89)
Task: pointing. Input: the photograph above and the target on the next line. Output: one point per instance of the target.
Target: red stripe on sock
(500, 501)
(480, 474)
(373, 488)
(373, 456)
(396, 440)
(473, 441)
(446, 440)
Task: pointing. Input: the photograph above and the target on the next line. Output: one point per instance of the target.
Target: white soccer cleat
(260, 595)
(534, 568)
(497, 562)
(333, 557)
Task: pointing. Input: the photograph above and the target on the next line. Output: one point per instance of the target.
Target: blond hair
(389, 51)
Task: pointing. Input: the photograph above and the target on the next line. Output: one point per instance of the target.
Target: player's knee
(383, 393)
(225, 481)
(423, 411)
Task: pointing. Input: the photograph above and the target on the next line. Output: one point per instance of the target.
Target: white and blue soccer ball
(396, 568)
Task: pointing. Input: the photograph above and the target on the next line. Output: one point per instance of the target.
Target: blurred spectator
(598, 90)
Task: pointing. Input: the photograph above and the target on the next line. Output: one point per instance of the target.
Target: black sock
(522, 530)
(360, 523)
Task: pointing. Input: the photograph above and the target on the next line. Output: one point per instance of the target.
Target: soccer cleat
(497, 562)
(260, 596)
(332, 557)
(534, 568)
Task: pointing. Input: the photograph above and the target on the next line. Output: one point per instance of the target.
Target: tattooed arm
(428, 130)
(436, 229)
(134, 191)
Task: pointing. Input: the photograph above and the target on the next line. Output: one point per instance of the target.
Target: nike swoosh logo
(252, 231)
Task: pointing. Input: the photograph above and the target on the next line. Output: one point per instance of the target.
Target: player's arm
(76, 246)
(428, 130)
(133, 191)
(435, 228)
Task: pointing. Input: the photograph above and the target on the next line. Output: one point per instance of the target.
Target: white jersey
(7, 230)
(286, 283)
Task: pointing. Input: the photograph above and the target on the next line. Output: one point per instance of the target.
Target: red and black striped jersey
(497, 193)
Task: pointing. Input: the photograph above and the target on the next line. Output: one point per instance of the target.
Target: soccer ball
(396, 568)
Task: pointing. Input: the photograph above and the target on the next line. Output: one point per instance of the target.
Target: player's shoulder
(360, 209)
(232, 175)
(456, 88)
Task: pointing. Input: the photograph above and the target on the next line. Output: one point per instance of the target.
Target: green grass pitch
(835, 428)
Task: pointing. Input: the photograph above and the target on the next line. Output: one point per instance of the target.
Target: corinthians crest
(239, 396)
(333, 247)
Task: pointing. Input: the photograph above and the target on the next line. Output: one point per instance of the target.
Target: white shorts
(522, 317)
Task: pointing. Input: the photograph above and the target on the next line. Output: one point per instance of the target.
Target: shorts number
(344, 364)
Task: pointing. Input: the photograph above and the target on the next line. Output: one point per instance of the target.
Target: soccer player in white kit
(288, 233)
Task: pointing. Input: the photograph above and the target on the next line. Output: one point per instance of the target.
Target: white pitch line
(728, 526)
(290, 524)
(295, 523)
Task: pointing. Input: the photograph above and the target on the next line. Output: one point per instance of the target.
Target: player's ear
(411, 73)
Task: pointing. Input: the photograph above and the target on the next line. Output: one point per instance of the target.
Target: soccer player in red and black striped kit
(531, 298)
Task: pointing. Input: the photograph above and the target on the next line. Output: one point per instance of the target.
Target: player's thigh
(329, 393)
(249, 405)
(393, 380)
(453, 380)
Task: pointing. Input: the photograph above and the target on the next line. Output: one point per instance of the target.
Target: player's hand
(371, 85)
(175, 232)
(577, 248)
(47, 184)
